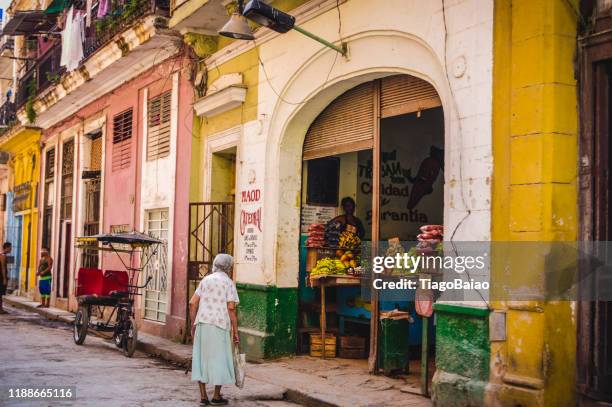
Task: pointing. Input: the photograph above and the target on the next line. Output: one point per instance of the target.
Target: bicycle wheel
(118, 333)
(130, 337)
(118, 338)
(81, 323)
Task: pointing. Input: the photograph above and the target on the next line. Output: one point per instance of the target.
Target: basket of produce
(316, 345)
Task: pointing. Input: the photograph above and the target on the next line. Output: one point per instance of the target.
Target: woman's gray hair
(223, 262)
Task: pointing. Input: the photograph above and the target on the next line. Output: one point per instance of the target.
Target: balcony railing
(47, 70)
(121, 17)
(40, 76)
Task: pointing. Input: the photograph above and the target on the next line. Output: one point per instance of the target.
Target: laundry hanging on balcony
(103, 8)
(73, 36)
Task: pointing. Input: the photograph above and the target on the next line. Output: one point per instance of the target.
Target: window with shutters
(122, 139)
(67, 179)
(49, 193)
(48, 197)
(158, 136)
(95, 154)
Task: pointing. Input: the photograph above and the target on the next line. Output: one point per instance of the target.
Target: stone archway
(395, 53)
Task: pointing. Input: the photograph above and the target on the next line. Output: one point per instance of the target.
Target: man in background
(6, 249)
(44, 277)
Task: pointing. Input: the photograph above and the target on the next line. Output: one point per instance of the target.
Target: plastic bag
(424, 302)
(239, 367)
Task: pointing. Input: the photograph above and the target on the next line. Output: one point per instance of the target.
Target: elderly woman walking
(213, 310)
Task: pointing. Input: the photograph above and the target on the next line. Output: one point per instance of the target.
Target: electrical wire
(461, 186)
(460, 138)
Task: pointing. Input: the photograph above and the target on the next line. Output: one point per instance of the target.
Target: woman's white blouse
(215, 291)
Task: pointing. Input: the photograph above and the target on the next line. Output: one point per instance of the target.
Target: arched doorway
(378, 148)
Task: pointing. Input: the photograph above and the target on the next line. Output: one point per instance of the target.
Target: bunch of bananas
(348, 240)
(327, 266)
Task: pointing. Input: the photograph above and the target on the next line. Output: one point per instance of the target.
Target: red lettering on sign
(250, 218)
(251, 196)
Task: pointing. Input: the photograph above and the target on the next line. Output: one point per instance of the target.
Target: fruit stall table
(325, 281)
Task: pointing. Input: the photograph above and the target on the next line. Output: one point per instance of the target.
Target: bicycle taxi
(97, 289)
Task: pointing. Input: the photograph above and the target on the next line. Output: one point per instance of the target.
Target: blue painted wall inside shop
(13, 232)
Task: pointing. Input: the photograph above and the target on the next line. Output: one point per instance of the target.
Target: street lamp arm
(342, 49)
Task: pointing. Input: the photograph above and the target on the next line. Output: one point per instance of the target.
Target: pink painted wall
(121, 188)
(176, 320)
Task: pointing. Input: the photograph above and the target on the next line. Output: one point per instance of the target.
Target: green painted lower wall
(462, 356)
(267, 317)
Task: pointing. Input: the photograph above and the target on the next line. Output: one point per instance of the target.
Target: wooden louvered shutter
(95, 158)
(401, 94)
(158, 138)
(346, 125)
(122, 137)
(50, 165)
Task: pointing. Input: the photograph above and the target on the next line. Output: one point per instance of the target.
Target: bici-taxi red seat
(90, 281)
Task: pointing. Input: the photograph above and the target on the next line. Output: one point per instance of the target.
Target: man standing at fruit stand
(349, 218)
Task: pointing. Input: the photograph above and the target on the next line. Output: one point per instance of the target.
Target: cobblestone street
(38, 352)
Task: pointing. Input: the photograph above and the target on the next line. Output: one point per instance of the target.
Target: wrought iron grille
(211, 231)
(91, 225)
(157, 268)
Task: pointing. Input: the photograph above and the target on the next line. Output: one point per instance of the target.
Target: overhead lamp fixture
(237, 26)
(276, 20)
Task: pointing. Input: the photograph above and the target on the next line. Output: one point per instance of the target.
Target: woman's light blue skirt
(212, 361)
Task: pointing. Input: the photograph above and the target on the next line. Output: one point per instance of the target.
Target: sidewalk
(305, 380)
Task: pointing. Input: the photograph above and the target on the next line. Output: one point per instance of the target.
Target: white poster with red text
(250, 224)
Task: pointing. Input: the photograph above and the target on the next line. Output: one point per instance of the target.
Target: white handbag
(239, 366)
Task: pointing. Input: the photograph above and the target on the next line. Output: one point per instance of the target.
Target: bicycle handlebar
(144, 285)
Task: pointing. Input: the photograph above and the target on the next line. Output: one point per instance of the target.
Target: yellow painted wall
(23, 146)
(223, 172)
(535, 197)
(248, 65)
